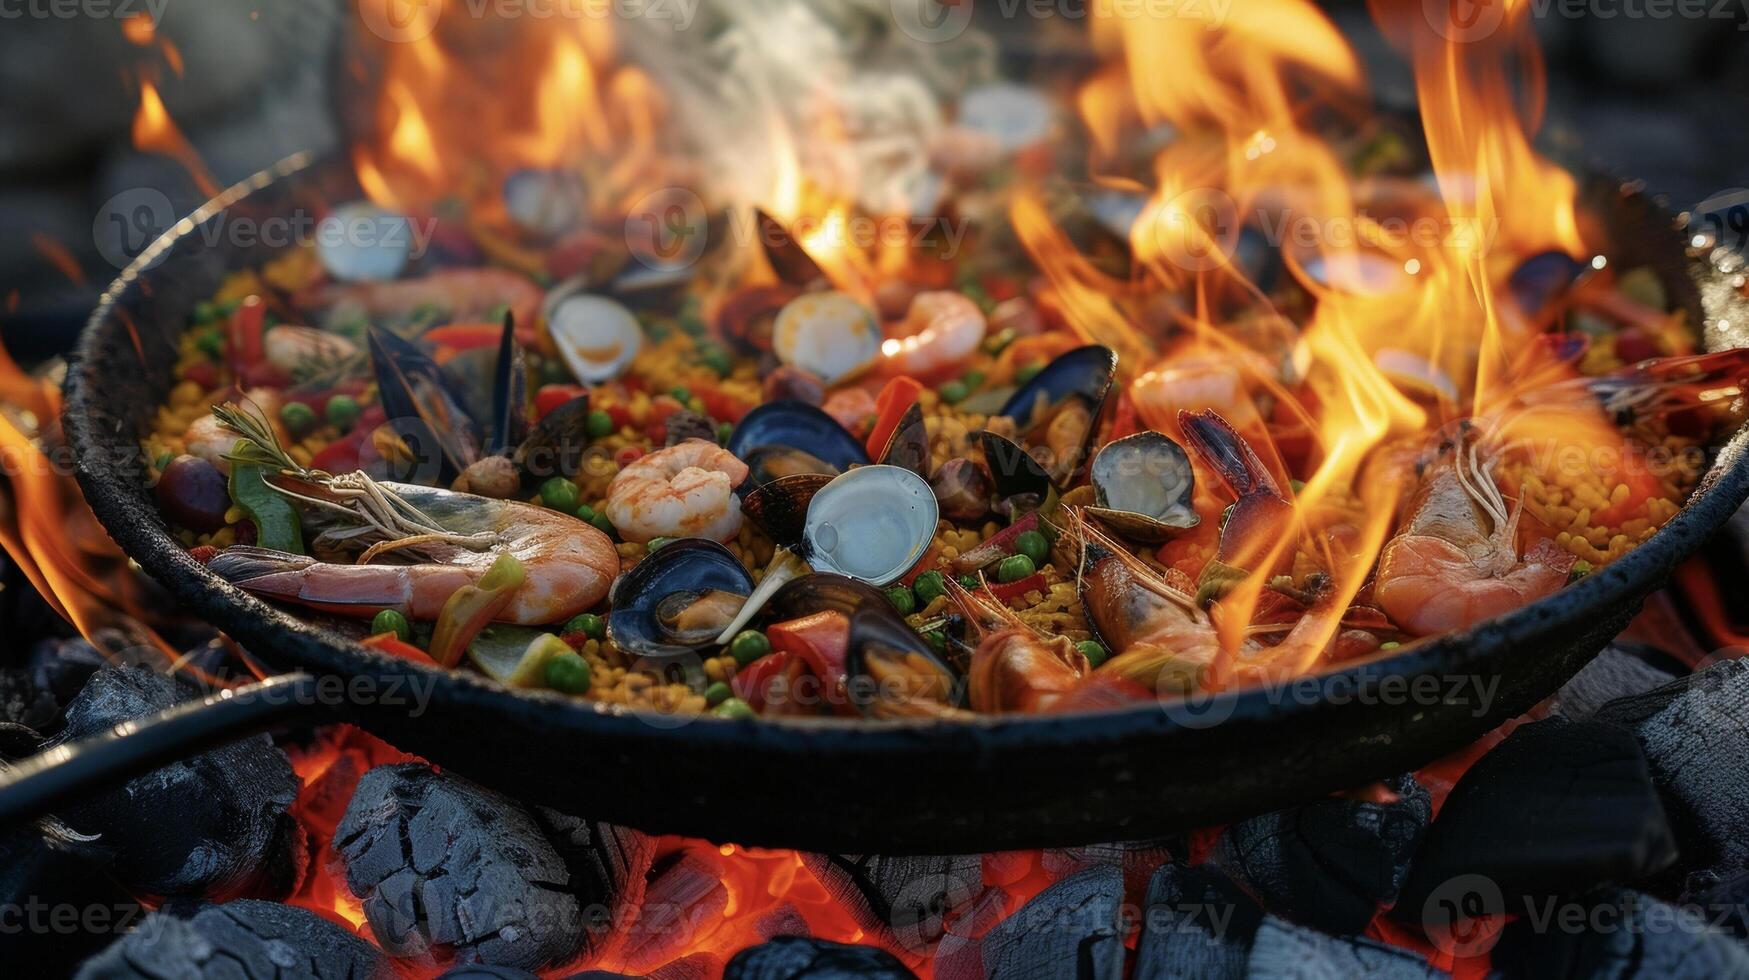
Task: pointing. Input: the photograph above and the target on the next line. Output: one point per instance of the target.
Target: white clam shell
(830, 335)
(360, 242)
(871, 523)
(597, 337)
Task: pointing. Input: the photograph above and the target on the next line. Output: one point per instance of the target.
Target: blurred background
(117, 116)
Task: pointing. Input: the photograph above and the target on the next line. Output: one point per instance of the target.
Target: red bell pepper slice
(821, 641)
(1019, 587)
(390, 644)
(753, 681)
(999, 546)
(244, 346)
(464, 336)
(550, 397)
(721, 405)
(890, 406)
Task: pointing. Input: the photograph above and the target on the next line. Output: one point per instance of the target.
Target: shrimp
(298, 350)
(1454, 560)
(465, 295)
(941, 329)
(684, 491)
(1199, 379)
(568, 564)
(210, 439)
(850, 407)
(1013, 667)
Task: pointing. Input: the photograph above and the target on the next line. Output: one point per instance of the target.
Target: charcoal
(1197, 924)
(1618, 672)
(607, 865)
(1724, 902)
(246, 939)
(684, 897)
(1617, 933)
(1329, 864)
(486, 971)
(1071, 929)
(1283, 949)
(799, 958)
(23, 702)
(698, 966)
(214, 825)
(49, 889)
(447, 869)
(61, 667)
(959, 956)
(1138, 861)
(903, 900)
(1695, 733)
(783, 920)
(1557, 807)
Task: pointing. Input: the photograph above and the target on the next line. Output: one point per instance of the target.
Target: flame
(155, 132)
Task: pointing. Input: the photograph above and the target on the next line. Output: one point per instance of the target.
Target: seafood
(938, 331)
(210, 439)
(461, 295)
(683, 491)
(596, 336)
(1143, 484)
(1455, 560)
(829, 335)
(1013, 667)
(678, 599)
(303, 351)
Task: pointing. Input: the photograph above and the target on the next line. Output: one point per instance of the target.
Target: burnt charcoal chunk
(901, 899)
(797, 958)
(214, 825)
(1197, 924)
(1615, 673)
(1617, 933)
(607, 865)
(242, 940)
(684, 898)
(447, 869)
(1724, 903)
(1283, 949)
(1329, 864)
(56, 908)
(1070, 929)
(1695, 733)
(1136, 859)
(1558, 807)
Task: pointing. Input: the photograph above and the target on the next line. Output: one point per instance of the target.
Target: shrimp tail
(286, 577)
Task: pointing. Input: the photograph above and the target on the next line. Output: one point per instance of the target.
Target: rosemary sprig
(259, 445)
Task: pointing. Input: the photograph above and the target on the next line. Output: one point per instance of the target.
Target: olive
(788, 382)
(193, 493)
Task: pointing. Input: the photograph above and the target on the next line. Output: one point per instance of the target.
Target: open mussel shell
(557, 445)
(597, 336)
(824, 592)
(788, 259)
(493, 383)
(893, 672)
(424, 403)
(665, 604)
(780, 508)
(1085, 372)
(871, 523)
(787, 437)
(1142, 484)
(908, 446)
(1014, 474)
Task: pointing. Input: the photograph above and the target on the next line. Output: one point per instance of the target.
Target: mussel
(1058, 410)
(597, 337)
(1542, 279)
(1142, 485)
(557, 444)
(871, 523)
(894, 673)
(829, 334)
(1019, 482)
(678, 599)
(787, 257)
(785, 438)
(424, 403)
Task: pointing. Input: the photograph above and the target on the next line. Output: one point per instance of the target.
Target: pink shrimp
(941, 329)
(686, 490)
(1454, 560)
(465, 295)
(1014, 668)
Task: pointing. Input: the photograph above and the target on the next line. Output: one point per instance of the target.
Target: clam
(1014, 116)
(678, 599)
(546, 202)
(786, 438)
(361, 242)
(1142, 485)
(829, 334)
(597, 336)
(872, 523)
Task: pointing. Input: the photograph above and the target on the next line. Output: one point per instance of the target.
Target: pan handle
(74, 771)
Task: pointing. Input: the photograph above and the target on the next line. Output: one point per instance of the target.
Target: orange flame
(155, 132)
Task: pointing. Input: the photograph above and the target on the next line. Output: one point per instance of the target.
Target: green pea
(600, 424)
(588, 624)
(748, 646)
(211, 343)
(390, 621)
(718, 360)
(205, 312)
(229, 306)
(973, 379)
(1028, 372)
(954, 391)
(1033, 545)
(297, 417)
(724, 431)
(560, 494)
(602, 524)
(568, 672)
(1014, 568)
(586, 513)
(343, 411)
(1580, 569)
(680, 394)
(928, 587)
(1389, 645)
(1094, 653)
(970, 581)
(735, 709)
(717, 693)
(902, 600)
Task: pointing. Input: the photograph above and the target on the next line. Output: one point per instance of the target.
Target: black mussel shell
(788, 259)
(1085, 373)
(792, 425)
(693, 618)
(690, 565)
(509, 393)
(1542, 279)
(558, 444)
(893, 672)
(908, 446)
(1143, 485)
(768, 463)
(423, 403)
(780, 508)
(823, 591)
(1013, 471)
